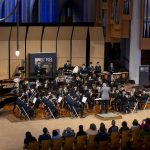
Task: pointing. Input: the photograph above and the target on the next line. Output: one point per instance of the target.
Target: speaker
(144, 75)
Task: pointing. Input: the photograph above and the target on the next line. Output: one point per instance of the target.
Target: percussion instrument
(117, 75)
(104, 75)
(125, 75)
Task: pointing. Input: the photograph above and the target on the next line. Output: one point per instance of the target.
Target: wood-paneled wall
(67, 42)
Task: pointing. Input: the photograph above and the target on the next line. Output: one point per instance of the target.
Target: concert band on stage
(79, 90)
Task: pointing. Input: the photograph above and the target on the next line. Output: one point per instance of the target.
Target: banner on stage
(42, 64)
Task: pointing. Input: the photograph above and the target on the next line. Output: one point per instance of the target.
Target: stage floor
(12, 133)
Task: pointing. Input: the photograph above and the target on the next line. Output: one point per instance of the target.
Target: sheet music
(34, 100)
(59, 99)
(98, 99)
(84, 99)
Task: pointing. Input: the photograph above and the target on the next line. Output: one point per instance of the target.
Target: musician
(124, 105)
(22, 105)
(67, 65)
(78, 106)
(37, 101)
(90, 100)
(97, 68)
(37, 84)
(111, 81)
(38, 68)
(111, 68)
(143, 98)
(83, 70)
(115, 103)
(132, 100)
(90, 68)
(105, 91)
(47, 84)
(49, 105)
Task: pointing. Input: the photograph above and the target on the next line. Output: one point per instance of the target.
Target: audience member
(28, 139)
(56, 135)
(145, 131)
(45, 135)
(68, 132)
(102, 134)
(135, 125)
(146, 122)
(92, 130)
(81, 131)
(113, 128)
(124, 127)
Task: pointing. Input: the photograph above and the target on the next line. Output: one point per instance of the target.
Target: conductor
(105, 91)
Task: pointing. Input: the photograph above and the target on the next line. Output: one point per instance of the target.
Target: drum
(76, 69)
(117, 75)
(104, 75)
(125, 75)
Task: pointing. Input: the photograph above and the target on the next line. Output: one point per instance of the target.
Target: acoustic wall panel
(96, 45)
(63, 45)
(4, 52)
(49, 39)
(14, 60)
(79, 46)
(33, 43)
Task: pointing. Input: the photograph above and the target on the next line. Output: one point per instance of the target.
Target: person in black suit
(49, 105)
(111, 68)
(90, 68)
(97, 68)
(45, 135)
(67, 65)
(83, 70)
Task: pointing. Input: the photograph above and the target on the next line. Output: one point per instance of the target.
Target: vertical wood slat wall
(4, 52)
(16, 61)
(66, 42)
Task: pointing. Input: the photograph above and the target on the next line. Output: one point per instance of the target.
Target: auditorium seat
(135, 134)
(147, 142)
(80, 142)
(125, 138)
(91, 143)
(114, 140)
(33, 146)
(56, 144)
(68, 143)
(103, 145)
(45, 144)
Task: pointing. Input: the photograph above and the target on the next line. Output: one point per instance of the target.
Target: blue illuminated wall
(47, 11)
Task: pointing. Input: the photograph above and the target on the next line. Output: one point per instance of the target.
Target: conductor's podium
(108, 116)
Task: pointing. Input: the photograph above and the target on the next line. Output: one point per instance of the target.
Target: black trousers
(102, 104)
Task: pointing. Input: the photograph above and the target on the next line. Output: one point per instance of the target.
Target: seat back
(91, 144)
(80, 142)
(68, 143)
(103, 145)
(56, 144)
(45, 144)
(33, 146)
(114, 139)
(125, 138)
(135, 134)
(147, 142)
